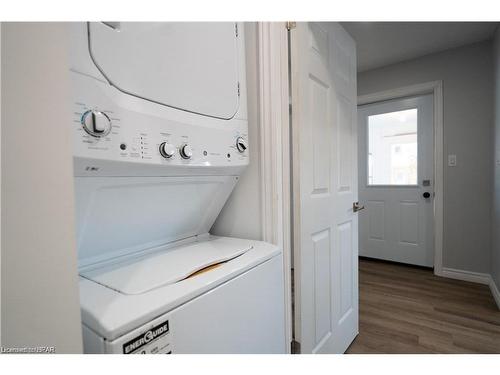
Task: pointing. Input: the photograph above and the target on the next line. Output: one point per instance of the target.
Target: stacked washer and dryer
(160, 139)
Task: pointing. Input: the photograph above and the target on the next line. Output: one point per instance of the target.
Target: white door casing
(397, 224)
(274, 134)
(324, 187)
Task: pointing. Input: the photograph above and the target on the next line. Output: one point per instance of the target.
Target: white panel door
(324, 187)
(396, 172)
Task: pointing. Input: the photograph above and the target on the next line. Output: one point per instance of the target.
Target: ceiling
(385, 43)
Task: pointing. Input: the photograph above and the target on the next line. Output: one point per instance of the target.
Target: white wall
(495, 229)
(40, 302)
(468, 114)
(241, 216)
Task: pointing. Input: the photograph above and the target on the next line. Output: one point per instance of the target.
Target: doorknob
(357, 207)
(426, 195)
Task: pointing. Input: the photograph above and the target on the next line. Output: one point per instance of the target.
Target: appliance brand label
(140, 342)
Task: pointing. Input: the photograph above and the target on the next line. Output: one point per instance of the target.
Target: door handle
(426, 195)
(357, 207)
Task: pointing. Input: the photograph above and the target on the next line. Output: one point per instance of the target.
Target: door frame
(435, 88)
(274, 142)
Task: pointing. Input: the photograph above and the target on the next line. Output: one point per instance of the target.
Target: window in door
(393, 148)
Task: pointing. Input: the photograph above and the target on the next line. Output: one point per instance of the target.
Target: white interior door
(324, 187)
(396, 175)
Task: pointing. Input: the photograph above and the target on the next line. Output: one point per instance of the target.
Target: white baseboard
(495, 292)
(473, 277)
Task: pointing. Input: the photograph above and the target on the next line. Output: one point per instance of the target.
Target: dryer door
(191, 66)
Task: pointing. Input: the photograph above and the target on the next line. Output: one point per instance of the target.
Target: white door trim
(274, 148)
(436, 88)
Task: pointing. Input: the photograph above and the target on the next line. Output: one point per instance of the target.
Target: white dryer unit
(160, 139)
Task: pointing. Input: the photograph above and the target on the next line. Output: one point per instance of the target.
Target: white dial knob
(96, 123)
(186, 151)
(167, 150)
(241, 144)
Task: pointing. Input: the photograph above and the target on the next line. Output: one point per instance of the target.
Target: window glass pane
(392, 148)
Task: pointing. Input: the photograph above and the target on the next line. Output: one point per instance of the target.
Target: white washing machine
(160, 140)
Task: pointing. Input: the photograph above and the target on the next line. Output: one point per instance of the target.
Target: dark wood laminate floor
(404, 309)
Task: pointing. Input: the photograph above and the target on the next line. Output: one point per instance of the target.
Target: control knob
(167, 150)
(96, 123)
(186, 151)
(241, 144)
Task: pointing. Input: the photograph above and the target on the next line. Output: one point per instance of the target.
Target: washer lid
(192, 66)
(120, 216)
(162, 268)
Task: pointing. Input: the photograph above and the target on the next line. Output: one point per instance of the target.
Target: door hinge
(236, 29)
(291, 25)
(113, 25)
(295, 347)
(238, 89)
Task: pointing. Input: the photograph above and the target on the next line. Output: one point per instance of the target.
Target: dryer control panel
(182, 106)
(148, 133)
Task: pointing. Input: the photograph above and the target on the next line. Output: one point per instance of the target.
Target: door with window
(396, 180)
